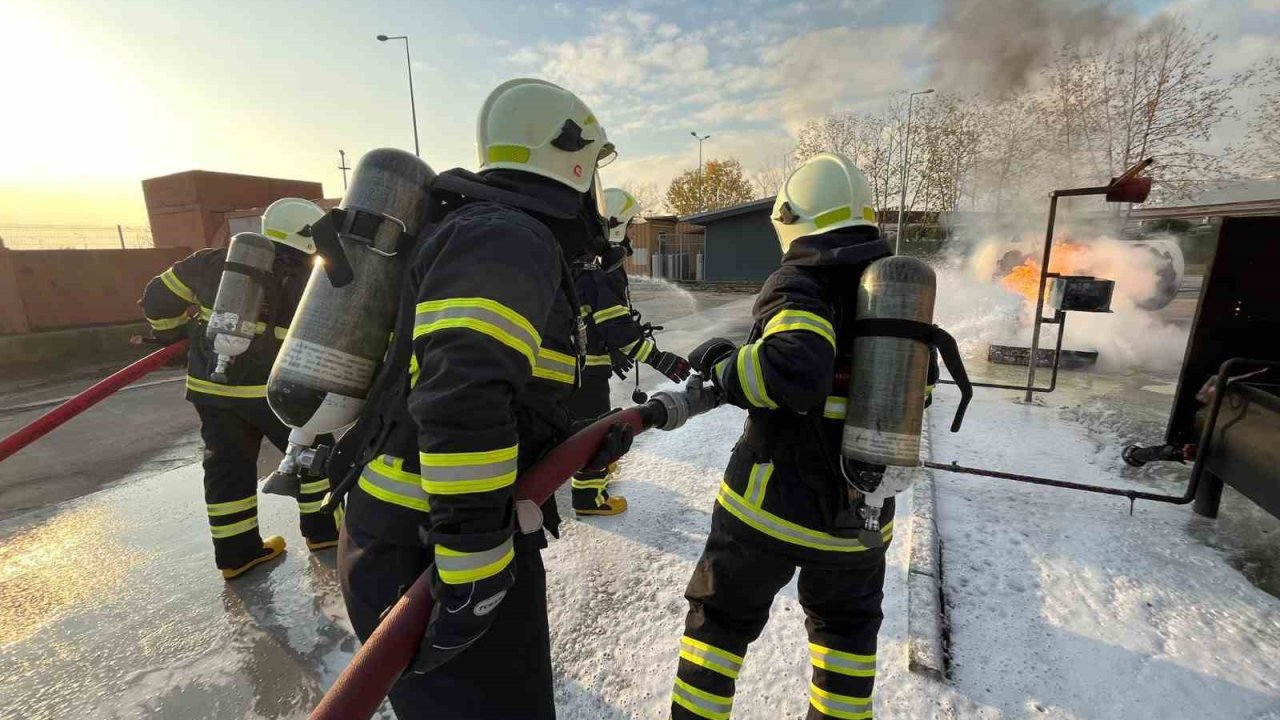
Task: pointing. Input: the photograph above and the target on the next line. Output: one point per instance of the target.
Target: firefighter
(234, 416)
(783, 503)
(493, 318)
(616, 340)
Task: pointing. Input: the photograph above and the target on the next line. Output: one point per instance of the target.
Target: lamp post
(906, 156)
(342, 165)
(413, 107)
(701, 195)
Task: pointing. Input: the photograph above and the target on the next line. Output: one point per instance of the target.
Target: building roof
(703, 218)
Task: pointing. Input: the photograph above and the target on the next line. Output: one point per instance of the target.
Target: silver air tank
(234, 321)
(339, 335)
(887, 385)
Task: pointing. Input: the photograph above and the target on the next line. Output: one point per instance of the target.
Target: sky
(99, 95)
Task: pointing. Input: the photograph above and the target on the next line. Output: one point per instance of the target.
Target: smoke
(997, 46)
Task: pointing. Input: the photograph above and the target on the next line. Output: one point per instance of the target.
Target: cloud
(752, 147)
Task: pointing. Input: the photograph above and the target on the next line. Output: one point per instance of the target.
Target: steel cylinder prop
(887, 384)
(343, 324)
(233, 324)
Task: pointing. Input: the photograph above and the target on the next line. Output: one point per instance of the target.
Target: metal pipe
(1044, 272)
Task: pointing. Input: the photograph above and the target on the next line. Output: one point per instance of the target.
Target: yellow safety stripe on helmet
(627, 205)
(468, 472)
(456, 567)
(226, 531)
(844, 663)
(831, 217)
(700, 702)
(509, 153)
(556, 366)
(176, 286)
(590, 120)
(481, 315)
(836, 408)
(598, 360)
(751, 377)
(309, 508)
(787, 531)
(314, 486)
(385, 479)
(274, 233)
(845, 707)
(233, 507)
(232, 391)
(868, 213)
(610, 313)
(710, 657)
(169, 323)
(757, 482)
(788, 320)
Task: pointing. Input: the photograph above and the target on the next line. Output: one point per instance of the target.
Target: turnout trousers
(232, 438)
(505, 675)
(730, 593)
(589, 402)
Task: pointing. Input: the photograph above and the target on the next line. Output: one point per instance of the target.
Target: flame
(1068, 258)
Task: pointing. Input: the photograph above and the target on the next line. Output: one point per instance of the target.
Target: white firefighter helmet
(827, 192)
(285, 217)
(541, 128)
(620, 208)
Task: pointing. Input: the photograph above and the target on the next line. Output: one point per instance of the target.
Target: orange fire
(1068, 258)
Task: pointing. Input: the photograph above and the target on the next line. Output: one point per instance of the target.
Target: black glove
(621, 364)
(705, 356)
(461, 615)
(673, 366)
(616, 444)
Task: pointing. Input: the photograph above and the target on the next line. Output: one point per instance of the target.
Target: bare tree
(648, 197)
(769, 176)
(1261, 152)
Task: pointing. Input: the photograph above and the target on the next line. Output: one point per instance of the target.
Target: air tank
(339, 335)
(234, 321)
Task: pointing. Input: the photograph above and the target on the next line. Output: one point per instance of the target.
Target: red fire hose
(98, 392)
(379, 663)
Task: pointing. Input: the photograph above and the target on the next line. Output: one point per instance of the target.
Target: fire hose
(86, 399)
(383, 658)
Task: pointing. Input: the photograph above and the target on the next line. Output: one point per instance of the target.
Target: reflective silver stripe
(385, 482)
(841, 706)
(552, 365)
(456, 567)
(478, 471)
(710, 657)
(789, 320)
(756, 483)
(751, 376)
(843, 663)
(785, 531)
(836, 408)
(475, 313)
(712, 707)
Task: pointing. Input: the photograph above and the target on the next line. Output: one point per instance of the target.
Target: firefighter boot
(272, 548)
(608, 505)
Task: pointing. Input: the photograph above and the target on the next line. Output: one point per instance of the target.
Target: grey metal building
(740, 243)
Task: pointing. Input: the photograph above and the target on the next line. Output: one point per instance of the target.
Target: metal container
(1080, 293)
(233, 323)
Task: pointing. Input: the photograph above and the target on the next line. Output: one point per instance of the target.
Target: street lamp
(701, 197)
(413, 107)
(906, 155)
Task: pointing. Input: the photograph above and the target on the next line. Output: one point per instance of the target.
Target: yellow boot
(612, 505)
(272, 548)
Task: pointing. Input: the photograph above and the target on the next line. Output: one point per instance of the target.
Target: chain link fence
(74, 237)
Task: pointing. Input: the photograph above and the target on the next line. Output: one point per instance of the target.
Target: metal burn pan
(1080, 293)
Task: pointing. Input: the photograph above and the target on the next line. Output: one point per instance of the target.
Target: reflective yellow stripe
(700, 702)
(233, 507)
(414, 370)
(845, 707)
(868, 213)
(468, 472)
(751, 377)
(787, 531)
(176, 286)
(584, 311)
(598, 361)
(645, 351)
(836, 408)
(232, 391)
(226, 531)
(281, 332)
(757, 482)
(456, 567)
(590, 484)
(789, 320)
(169, 323)
(481, 315)
(710, 657)
(508, 153)
(385, 479)
(556, 366)
(308, 508)
(841, 662)
(610, 313)
(315, 486)
(832, 217)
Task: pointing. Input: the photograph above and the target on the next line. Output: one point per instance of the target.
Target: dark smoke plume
(997, 46)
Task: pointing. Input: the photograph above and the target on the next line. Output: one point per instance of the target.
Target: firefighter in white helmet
(234, 415)
(616, 340)
(783, 503)
(479, 395)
